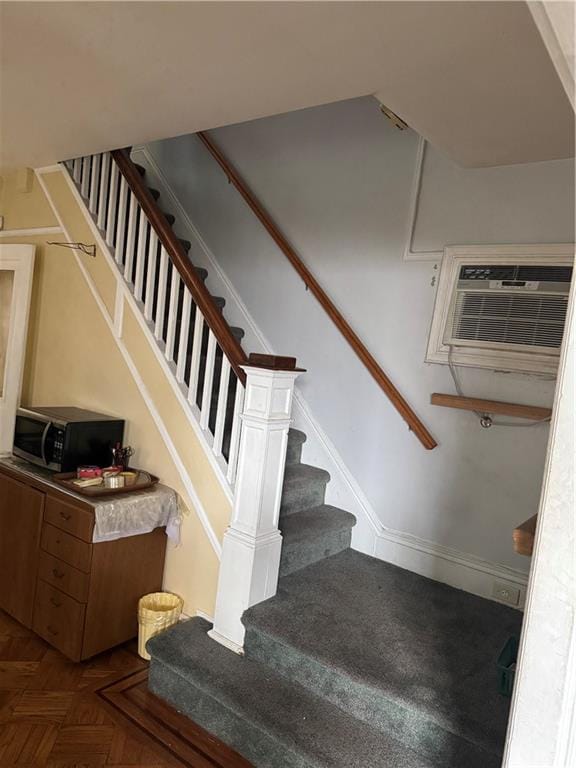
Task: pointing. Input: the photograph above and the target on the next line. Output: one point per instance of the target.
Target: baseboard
(450, 566)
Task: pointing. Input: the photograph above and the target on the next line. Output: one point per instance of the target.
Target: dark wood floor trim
(182, 738)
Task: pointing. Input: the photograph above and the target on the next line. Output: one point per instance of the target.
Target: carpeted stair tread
(304, 487)
(239, 333)
(296, 440)
(392, 647)
(312, 535)
(296, 473)
(301, 526)
(273, 722)
(186, 244)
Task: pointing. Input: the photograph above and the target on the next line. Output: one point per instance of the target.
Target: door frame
(542, 725)
(20, 260)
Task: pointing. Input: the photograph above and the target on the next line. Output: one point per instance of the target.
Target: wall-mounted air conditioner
(502, 307)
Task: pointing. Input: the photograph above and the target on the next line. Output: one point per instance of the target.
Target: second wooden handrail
(200, 294)
(328, 305)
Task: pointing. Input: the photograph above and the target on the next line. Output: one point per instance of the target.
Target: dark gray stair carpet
(296, 440)
(312, 535)
(406, 654)
(304, 487)
(273, 722)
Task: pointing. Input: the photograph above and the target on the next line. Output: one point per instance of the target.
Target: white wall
(337, 180)
(542, 726)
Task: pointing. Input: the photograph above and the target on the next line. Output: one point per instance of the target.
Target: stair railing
(370, 363)
(198, 344)
(244, 411)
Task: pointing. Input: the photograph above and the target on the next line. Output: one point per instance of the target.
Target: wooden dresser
(80, 597)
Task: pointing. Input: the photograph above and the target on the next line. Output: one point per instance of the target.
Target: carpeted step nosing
(432, 740)
(298, 473)
(312, 535)
(296, 440)
(304, 487)
(346, 627)
(221, 721)
(317, 521)
(300, 729)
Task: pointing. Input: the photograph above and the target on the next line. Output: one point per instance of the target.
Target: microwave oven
(62, 438)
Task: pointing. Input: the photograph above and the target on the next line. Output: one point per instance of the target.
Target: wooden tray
(65, 479)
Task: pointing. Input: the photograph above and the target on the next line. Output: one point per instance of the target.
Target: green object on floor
(507, 666)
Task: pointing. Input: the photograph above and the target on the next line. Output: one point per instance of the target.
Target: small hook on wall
(89, 250)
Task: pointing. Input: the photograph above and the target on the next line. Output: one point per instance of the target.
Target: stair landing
(403, 665)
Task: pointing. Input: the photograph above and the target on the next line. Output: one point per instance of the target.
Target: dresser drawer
(65, 547)
(69, 518)
(59, 574)
(59, 619)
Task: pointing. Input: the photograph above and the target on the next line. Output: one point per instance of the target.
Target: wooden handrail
(329, 307)
(200, 294)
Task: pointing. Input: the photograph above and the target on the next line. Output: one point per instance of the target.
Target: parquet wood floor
(59, 714)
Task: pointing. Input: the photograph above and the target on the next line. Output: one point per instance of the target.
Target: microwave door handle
(43, 443)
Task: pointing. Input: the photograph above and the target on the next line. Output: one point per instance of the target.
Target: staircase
(354, 662)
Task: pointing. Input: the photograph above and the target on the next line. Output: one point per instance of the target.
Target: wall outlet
(506, 593)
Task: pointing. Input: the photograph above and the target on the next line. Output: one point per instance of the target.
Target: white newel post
(252, 542)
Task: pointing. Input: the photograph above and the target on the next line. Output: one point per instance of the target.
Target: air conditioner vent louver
(516, 272)
(547, 274)
(535, 321)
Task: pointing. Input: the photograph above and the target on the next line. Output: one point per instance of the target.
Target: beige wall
(73, 358)
(23, 210)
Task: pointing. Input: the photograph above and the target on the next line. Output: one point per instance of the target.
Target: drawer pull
(57, 574)
(65, 515)
(56, 603)
(52, 630)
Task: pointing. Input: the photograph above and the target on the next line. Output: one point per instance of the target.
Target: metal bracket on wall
(89, 250)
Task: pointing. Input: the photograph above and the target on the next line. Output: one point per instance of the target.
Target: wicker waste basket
(156, 612)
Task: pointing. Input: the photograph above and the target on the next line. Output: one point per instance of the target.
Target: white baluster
(196, 353)
(184, 335)
(85, 180)
(112, 201)
(141, 251)
(103, 196)
(235, 436)
(221, 407)
(172, 314)
(131, 239)
(77, 169)
(151, 275)
(93, 197)
(122, 207)
(208, 381)
(161, 303)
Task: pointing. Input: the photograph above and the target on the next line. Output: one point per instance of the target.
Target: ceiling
(78, 77)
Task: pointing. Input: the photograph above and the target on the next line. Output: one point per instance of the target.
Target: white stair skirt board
(218, 465)
(459, 569)
(123, 296)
